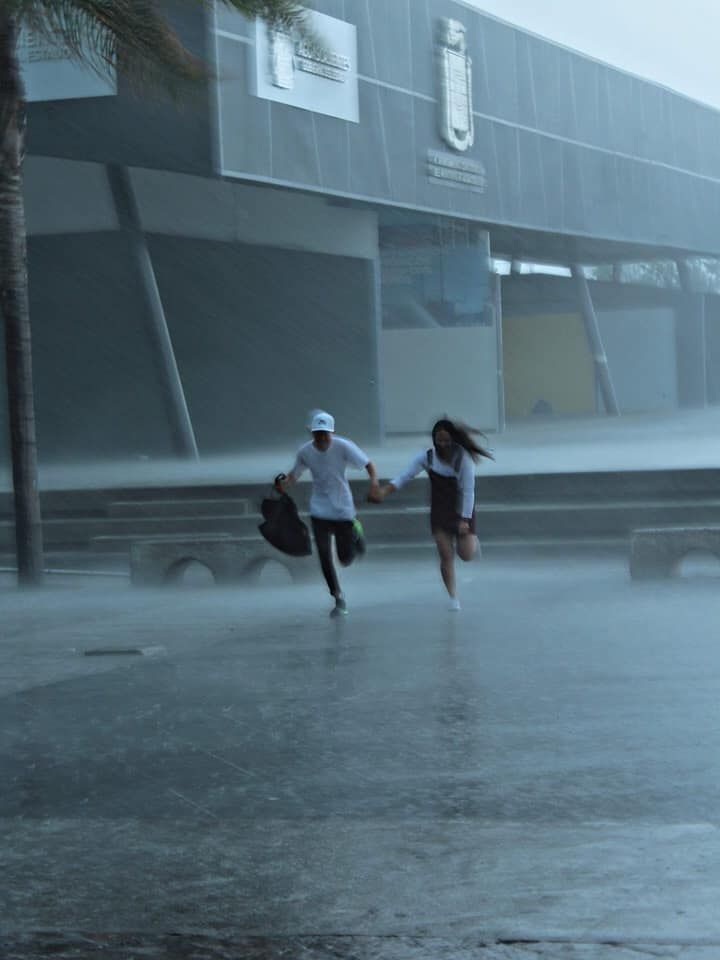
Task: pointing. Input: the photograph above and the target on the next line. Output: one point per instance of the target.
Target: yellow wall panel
(546, 358)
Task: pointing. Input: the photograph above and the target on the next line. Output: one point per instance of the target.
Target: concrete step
(512, 546)
(77, 531)
(546, 520)
(607, 485)
(387, 523)
(115, 561)
(526, 508)
(112, 543)
(514, 527)
(156, 509)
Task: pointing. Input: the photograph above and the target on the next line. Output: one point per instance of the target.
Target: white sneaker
(454, 605)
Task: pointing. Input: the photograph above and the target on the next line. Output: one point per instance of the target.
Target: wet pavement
(232, 774)
(193, 947)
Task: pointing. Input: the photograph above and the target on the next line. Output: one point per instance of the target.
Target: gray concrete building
(327, 227)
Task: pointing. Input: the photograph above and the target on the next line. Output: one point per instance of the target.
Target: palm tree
(133, 38)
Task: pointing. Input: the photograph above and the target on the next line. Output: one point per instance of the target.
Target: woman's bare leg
(467, 545)
(444, 544)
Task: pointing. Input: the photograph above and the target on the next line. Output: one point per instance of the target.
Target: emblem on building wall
(455, 82)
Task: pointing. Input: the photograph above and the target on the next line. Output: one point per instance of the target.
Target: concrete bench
(158, 561)
(656, 552)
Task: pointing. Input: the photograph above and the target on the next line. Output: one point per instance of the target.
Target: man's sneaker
(340, 608)
(454, 605)
(359, 537)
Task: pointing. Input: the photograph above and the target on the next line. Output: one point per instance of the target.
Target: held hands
(376, 493)
(463, 528)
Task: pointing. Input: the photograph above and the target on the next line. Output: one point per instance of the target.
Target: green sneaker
(359, 537)
(340, 609)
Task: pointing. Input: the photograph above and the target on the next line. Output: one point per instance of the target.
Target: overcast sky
(670, 42)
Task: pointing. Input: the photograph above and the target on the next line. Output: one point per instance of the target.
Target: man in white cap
(332, 509)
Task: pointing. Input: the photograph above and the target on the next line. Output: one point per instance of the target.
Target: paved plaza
(211, 773)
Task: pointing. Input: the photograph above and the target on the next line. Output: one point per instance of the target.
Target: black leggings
(344, 543)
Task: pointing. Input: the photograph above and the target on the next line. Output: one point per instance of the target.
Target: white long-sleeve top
(465, 476)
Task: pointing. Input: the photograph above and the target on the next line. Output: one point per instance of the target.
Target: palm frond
(286, 13)
(133, 36)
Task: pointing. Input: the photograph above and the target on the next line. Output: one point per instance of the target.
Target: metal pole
(496, 289)
(183, 436)
(597, 349)
(376, 329)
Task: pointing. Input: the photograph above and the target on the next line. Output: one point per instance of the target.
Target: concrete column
(592, 329)
(685, 275)
(691, 353)
(690, 342)
(183, 436)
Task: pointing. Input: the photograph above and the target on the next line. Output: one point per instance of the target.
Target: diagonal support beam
(183, 436)
(592, 329)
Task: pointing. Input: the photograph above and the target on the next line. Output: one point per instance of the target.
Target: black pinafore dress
(444, 495)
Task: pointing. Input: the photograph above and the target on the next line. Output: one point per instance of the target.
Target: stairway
(540, 511)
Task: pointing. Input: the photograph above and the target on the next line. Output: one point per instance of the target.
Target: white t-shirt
(331, 498)
(465, 476)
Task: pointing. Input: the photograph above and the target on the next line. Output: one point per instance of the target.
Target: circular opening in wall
(698, 563)
(190, 573)
(271, 573)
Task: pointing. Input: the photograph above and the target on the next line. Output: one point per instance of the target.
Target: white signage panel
(49, 72)
(289, 70)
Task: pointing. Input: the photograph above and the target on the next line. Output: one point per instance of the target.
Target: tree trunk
(16, 314)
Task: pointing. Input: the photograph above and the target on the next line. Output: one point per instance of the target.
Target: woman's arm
(466, 484)
(413, 469)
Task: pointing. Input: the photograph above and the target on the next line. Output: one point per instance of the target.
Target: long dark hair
(461, 434)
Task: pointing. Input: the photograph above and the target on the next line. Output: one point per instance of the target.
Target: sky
(646, 37)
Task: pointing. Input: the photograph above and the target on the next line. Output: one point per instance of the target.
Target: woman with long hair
(449, 463)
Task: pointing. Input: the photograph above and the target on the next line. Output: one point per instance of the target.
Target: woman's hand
(463, 528)
(376, 493)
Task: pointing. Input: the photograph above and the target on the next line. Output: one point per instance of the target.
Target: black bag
(283, 528)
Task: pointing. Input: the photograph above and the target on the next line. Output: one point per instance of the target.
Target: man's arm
(378, 493)
(374, 485)
(283, 480)
(357, 458)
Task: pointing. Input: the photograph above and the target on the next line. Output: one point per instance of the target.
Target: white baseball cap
(322, 421)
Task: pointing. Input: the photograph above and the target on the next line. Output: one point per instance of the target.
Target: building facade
(326, 225)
